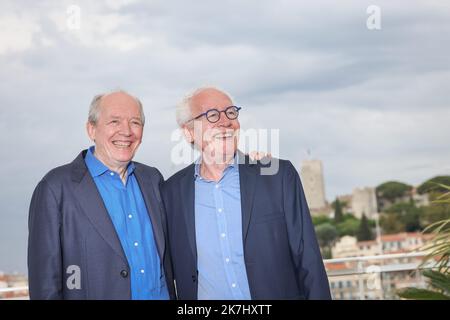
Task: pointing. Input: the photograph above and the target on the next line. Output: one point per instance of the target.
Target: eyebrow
(118, 117)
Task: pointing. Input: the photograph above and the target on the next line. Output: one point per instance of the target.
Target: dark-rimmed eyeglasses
(213, 115)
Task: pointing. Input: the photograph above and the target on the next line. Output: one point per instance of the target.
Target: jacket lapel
(247, 180)
(188, 200)
(92, 204)
(150, 192)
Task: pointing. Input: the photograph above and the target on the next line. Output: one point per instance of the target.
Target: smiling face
(118, 131)
(218, 140)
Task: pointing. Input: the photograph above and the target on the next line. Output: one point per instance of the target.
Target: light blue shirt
(218, 228)
(128, 212)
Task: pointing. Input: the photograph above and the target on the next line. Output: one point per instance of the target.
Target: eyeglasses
(213, 115)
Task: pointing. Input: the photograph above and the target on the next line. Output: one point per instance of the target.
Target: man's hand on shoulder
(257, 155)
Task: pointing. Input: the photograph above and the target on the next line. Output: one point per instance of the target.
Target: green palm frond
(439, 284)
(421, 294)
(439, 248)
(438, 226)
(439, 281)
(442, 185)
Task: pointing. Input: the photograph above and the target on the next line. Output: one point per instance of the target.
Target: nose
(125, 129)
(223, 121)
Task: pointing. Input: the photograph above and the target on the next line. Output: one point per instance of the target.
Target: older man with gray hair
(97, 225)
(234, 232)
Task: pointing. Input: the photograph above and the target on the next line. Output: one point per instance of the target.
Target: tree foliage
(338, 214)
(321, 219)
(401, 217)
(349, 226)
(364, 232)
(326, 234)
(435, 184)
(392, 190)
(434, 213)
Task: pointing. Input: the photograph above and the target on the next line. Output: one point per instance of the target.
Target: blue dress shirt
(218, 229)
(128, 212)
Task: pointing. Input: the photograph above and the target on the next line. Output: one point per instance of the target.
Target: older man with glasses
(234, 232)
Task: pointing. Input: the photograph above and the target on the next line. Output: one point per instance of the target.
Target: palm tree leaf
(437, 226)
(438, 201)
(421, 294)
(443, 185)
(438, 280)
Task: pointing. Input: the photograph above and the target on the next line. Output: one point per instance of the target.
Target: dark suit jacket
(281, 253)
(70, 226)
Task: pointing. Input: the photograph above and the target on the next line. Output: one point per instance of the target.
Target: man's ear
(90, 128)
(188, 134)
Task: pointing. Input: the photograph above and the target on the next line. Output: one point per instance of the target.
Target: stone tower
(312, 179)
(364, 201)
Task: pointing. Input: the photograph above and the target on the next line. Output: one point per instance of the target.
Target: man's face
(118, 131)
(219, 139)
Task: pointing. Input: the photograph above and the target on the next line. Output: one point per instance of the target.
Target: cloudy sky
(372, 104)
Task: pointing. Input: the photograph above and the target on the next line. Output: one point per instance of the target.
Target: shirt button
(111, 173)
(220, 210)
(223, 235)
(233, 285)
(130, 216)
(217, 186)
(227, 260)
(142, 271)
(124, 273)
(136, 244)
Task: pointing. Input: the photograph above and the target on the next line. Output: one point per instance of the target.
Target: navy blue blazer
(71, 234)
(282, 256)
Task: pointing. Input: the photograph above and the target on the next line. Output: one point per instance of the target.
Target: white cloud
(100, 30)
(17, 32)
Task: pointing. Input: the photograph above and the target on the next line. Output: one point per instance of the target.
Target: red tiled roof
(336, 266)
(365, 243)
(401, 236)
(398, 237)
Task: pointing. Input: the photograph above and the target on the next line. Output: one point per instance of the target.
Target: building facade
(356, 272)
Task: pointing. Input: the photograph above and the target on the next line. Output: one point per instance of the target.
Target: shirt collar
(97, 168)
(232, 165)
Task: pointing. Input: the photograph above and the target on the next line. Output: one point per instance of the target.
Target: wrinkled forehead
(119, 104)
(209, 99)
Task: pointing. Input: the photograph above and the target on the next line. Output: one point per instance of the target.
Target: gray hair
(94, 108)
(183, 110)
